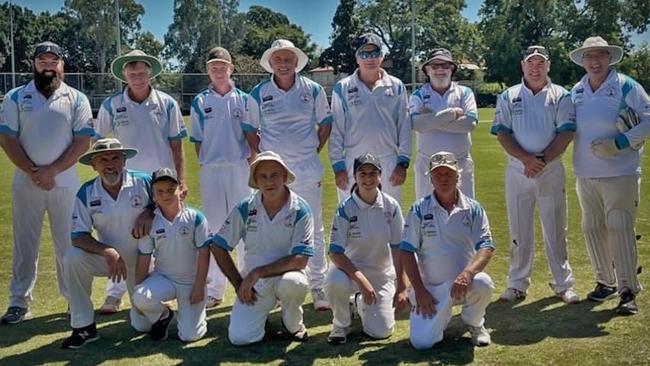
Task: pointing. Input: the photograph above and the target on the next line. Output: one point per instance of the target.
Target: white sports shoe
(212, 302)
(480, 336)
(568, 296)
(320, 299)
(338, 335)
(512, 294)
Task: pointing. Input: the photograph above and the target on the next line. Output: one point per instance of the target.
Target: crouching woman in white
(450, 235)
(179, 241)
(365, 237)
(277, 228)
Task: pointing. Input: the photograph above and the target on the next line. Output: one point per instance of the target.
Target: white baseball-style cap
(283, 44)
(443, 158)
(268, 156)
(615, 52)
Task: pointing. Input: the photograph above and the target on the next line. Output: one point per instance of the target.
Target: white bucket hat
(268, 156)
(615, 52)
(283, 44)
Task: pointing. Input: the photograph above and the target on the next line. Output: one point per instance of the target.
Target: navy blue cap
(48, 47)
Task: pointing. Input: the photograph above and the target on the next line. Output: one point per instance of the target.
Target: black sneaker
(602, 293)
(80, 337)
(159, 329)
(15, 314)
(627, 305)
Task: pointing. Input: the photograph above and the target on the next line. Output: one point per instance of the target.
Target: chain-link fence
(183, 87)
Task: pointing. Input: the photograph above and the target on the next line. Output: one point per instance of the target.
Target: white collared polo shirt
(148, 126)
(596, 114)
(366, 233)
(534, 119)
(287, 120)
(174, 244)
(217, 122)
(112, 219)
(375, 121)
(445, 242)
(457, 96)
(291, 231)
(46, 127)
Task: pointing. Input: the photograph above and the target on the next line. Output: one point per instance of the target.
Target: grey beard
(111, 179)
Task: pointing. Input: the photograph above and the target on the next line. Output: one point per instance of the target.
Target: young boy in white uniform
(365, 237)
(276, 226)
(179, 240)
(217, 114)
(449, 234)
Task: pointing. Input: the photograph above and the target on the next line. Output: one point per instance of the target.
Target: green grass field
(541, 330)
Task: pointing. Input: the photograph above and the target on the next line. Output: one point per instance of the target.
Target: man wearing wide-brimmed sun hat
(293, 118)
(370, 111)
(276, 226)
(216, 115)
(606, 162)
(44, 128)
(143, 118)
(105, 209)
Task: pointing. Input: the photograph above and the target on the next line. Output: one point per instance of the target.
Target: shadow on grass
(530, 323)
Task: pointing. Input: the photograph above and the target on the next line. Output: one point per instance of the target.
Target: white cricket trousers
(423, 186)
(388, 164)
(29, 204)
(149, 295)
(425, 332)
(548, 190)
(308, 185)
(81, 268)
(247, 321)
(378, 319)
(609, 208)
(222, 187)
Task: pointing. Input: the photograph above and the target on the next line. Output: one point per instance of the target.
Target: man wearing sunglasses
(370, 115)
(44, 128)
(443, 115)
(534, 123)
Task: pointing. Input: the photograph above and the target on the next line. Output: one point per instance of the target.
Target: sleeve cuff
(78, 234)
(221, 243)
(567, 126)
(327, 121)
(302, 249)
(180, 136)
(403, 159)
(395, 246)
(484, 244)
(339, 166)
(195, 141)
(335, 248)
(472, 115)
(4, 130)
(143, 253)
(621, 141)
(407, 247)
(499, 128)
(206, 244)
(84, 132)
(248, 127)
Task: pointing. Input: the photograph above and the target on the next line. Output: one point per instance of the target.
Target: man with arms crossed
(534, 123)
(44, 128)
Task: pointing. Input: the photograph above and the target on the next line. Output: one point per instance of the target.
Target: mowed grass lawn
(541, 330)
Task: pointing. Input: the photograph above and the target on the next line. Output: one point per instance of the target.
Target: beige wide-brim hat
(102, 146)
(268, 156)
(590, 43)
(117, 66)
(283, 44)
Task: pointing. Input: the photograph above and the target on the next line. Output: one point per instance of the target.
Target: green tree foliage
(148, 43)
(637, 65)
(263, 26)
(198, 26)
(509, 26)
(345, 28)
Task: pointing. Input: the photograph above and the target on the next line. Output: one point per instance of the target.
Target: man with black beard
(44, 128)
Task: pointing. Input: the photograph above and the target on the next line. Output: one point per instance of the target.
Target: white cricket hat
(283, 44)
(268, 156)
(615, 52)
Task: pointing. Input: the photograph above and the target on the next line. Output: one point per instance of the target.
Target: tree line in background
(86, 29)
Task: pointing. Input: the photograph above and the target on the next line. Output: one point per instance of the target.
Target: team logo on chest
(26, 105)
(136, 201)
(160, 234)
(466, 221)
(184, 230)
(237, 113)
(251, 223)
(96, 202)
(611, 92)
(288, 221)
(389, 217)
(305, 97)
